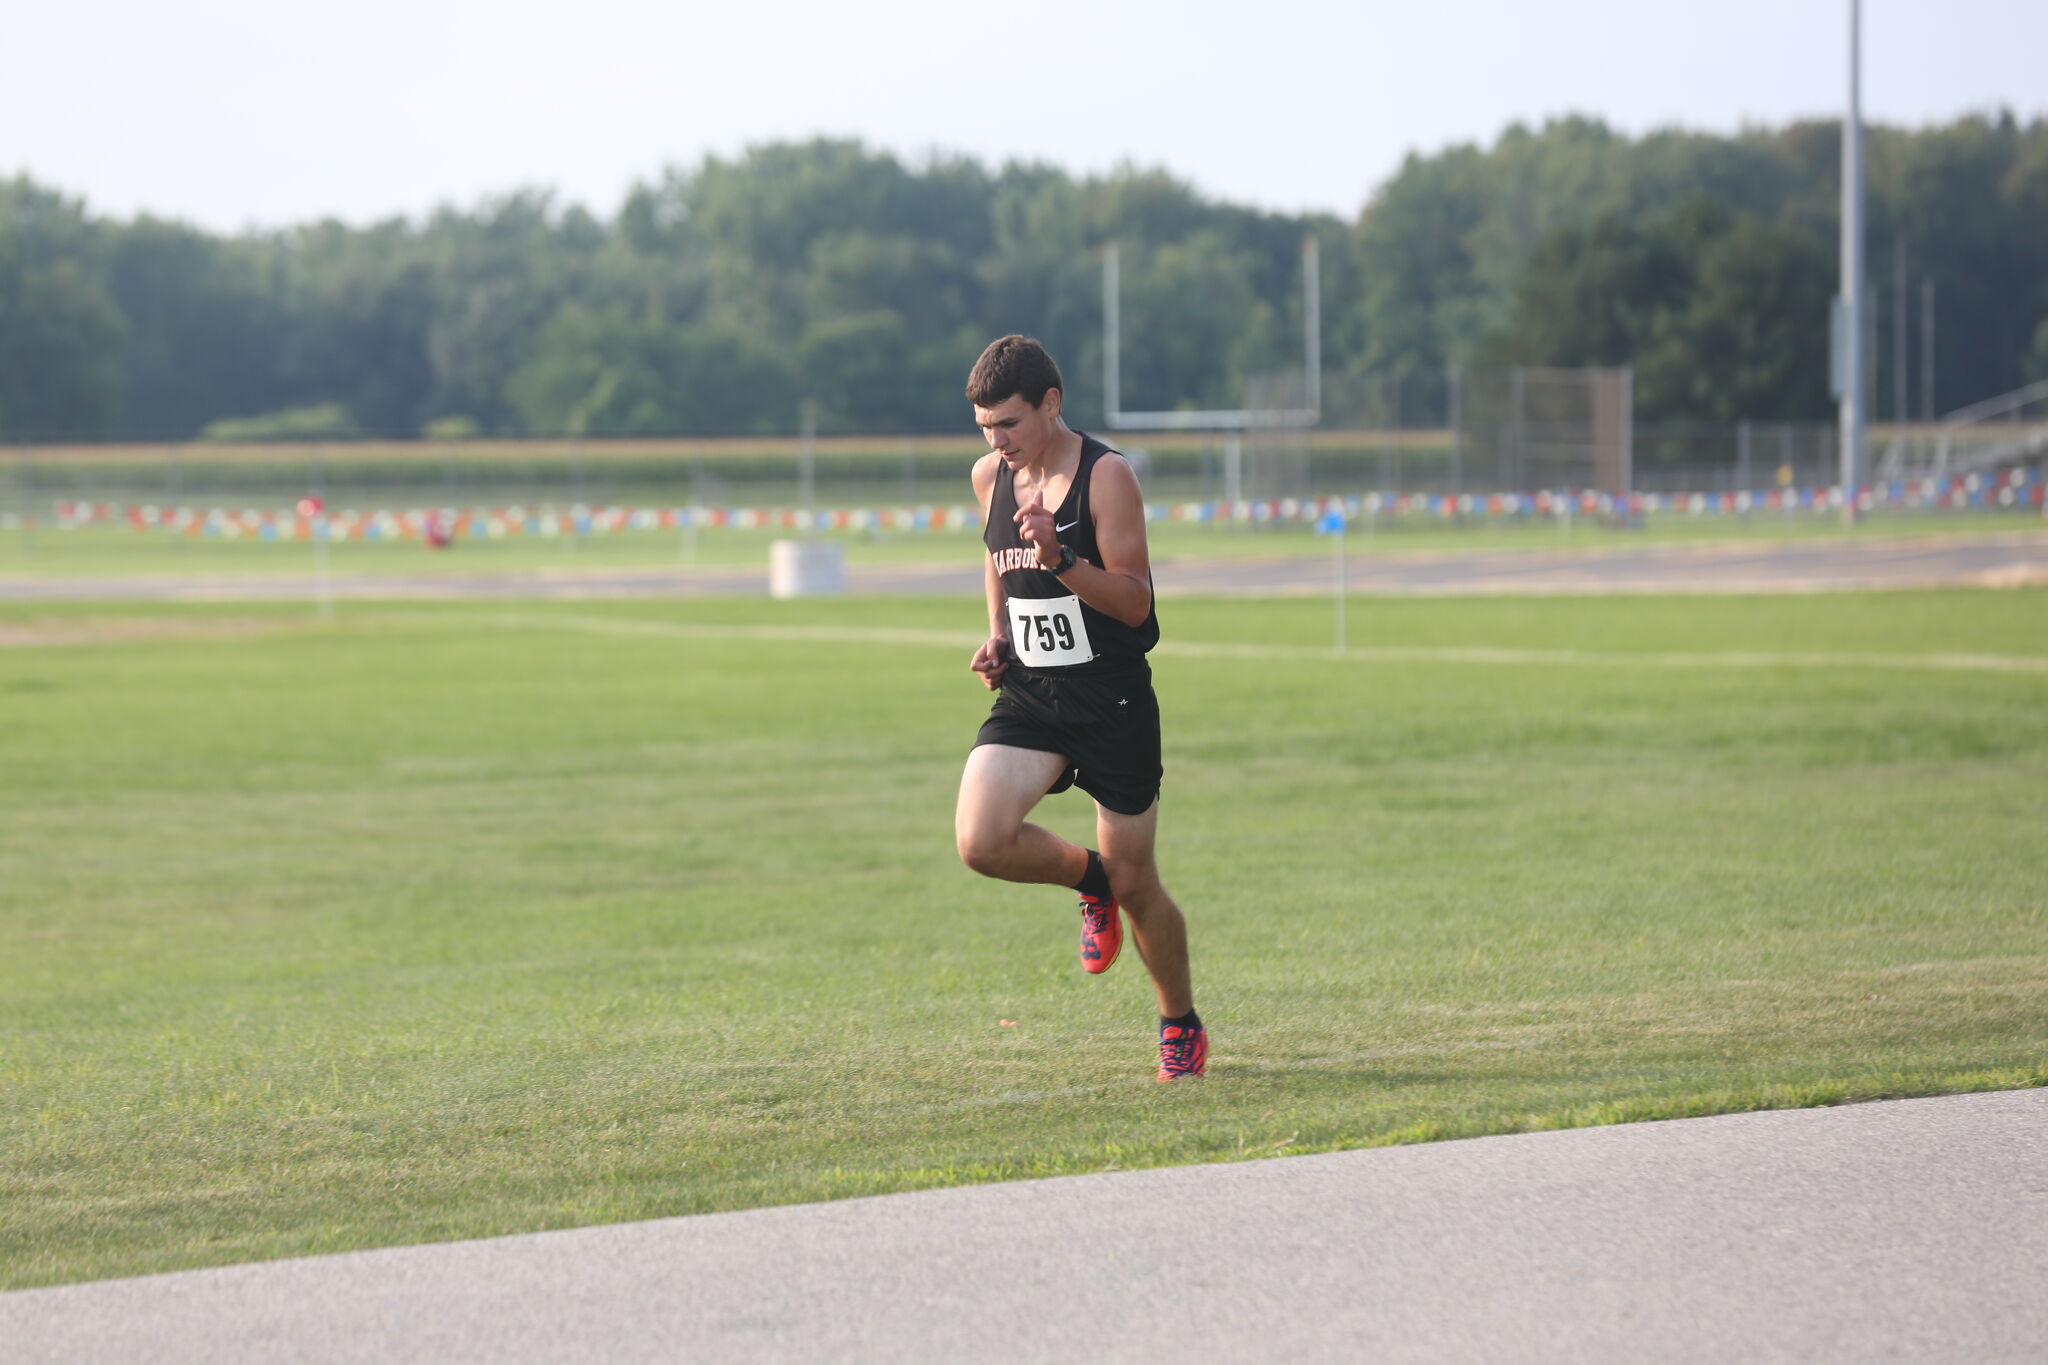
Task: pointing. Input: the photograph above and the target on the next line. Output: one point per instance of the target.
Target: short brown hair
(1013, 365)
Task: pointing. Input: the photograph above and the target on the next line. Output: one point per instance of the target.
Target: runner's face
(1017, 431)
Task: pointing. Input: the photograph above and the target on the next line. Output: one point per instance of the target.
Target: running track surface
(1997, 560)
(1906, 1230)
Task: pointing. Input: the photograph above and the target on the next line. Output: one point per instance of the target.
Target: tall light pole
(1927, 349)
(1851, 312)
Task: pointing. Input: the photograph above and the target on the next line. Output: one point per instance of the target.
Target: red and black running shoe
(1183, 1052)
(1102, 933)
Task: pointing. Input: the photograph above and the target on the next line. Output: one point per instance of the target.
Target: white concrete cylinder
(806, 568)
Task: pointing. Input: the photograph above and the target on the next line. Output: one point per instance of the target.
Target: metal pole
(323, 587)
(24, 477)
(1899, 412)
(1786, 473)
(1628, 428)
(1457, 429)
(1927, 349)
(1312, 323)
(576, 493)
(1852, 409)
(1341, 519)
(807, 467)
(1398, 450)
(696, 508)
(1511, 477)
(1112, 387)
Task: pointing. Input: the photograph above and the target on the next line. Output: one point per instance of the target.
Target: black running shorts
(1106, 727)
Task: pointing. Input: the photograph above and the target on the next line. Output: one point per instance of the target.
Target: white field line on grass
(706, 630)
(1941, 662)
(1366, 654)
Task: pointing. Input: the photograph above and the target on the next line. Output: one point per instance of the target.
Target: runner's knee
(983, 850)
(1131, 879)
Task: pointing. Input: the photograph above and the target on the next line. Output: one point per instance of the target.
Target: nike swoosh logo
(1069, 526)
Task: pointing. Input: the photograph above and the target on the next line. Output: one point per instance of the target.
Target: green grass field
(452, 920)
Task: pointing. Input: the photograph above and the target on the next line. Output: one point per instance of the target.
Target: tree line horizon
(831, 277)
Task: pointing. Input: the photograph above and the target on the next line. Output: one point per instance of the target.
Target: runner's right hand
(1035, 527)
(990, 661)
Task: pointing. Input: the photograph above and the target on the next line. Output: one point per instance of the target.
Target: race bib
(1047, 632)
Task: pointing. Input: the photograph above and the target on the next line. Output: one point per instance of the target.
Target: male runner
(1070, 617)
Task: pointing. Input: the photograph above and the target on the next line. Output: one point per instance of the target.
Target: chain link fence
(1478, 433)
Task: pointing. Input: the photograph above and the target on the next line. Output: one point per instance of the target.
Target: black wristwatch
(1067, 561)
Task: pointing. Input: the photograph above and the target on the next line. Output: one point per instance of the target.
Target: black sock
(1095, 881)
(1190, 1020)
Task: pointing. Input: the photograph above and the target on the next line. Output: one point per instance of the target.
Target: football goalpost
(1522, 429)
(1265, 443)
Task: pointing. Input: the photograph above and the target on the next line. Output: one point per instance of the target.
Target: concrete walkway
(1908, 1230)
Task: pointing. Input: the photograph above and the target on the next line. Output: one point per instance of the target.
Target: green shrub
(292, 424)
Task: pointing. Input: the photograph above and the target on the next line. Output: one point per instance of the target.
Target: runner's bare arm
(993, 657)
(1122, 587)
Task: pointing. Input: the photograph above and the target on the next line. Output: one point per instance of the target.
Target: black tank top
(1117, 647)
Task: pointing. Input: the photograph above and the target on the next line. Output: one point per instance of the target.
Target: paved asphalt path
(1907, 1230)
(2004, 560)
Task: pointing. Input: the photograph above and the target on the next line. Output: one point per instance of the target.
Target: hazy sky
(232, 113)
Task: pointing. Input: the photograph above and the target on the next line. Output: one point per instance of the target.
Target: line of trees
(719, 299)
